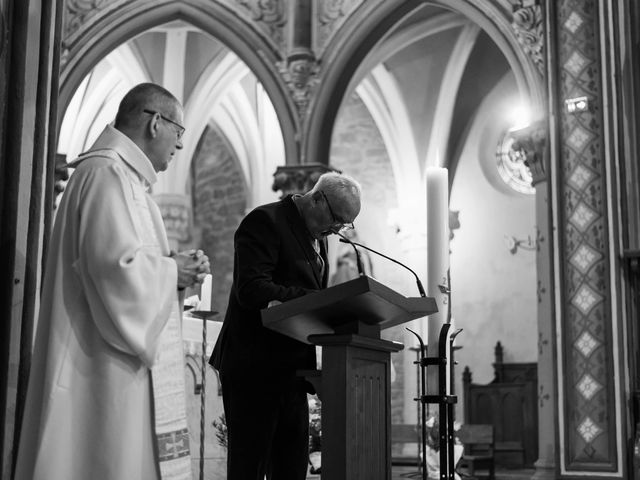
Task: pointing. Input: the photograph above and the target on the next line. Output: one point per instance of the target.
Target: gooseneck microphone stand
(343, 239)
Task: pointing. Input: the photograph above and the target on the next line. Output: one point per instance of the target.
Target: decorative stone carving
(300, 69)
(270, 15)
(330, 15)
(79, 12)
(64, 55)
(290, 179)
(301, 74)
(530, 142)
(528, 27)
(512, 166)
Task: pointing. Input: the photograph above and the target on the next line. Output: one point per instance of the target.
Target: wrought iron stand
(444, 399)
(204, 315)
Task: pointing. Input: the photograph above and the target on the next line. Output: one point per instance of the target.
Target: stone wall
(219, 203)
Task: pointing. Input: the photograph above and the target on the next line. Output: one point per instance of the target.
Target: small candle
(205, 293)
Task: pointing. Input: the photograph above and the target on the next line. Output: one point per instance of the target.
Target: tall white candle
(437, 250)
(205, 293)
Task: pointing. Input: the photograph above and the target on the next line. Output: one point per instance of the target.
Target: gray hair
(339, 186)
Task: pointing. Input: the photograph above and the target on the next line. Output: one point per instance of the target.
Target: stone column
(300, 68)
(590, 414)
(531, 143)
(29, 55)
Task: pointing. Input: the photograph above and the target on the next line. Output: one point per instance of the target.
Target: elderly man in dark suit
(280, 254)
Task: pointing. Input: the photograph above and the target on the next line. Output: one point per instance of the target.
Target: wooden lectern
(346, 321)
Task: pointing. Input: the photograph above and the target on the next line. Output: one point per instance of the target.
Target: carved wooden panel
(356, 413)
(369, 426)
(509, 403)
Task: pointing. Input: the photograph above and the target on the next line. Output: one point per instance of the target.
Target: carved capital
(300, 73)
(528, 27)
(175, 211)
(530, 142)
(291, 179)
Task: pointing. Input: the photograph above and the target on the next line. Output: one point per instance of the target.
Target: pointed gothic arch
(364, 29)
(99, 33)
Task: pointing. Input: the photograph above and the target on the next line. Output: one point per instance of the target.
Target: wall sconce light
(577, 104)
(513, 244)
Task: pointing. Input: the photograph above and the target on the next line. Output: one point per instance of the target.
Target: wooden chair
(402, 434)
(477, 461)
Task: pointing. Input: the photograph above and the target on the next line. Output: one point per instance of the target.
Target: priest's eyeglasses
(179, 131)
(337, 225)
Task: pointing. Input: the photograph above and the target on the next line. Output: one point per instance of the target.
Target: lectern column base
(356, 406)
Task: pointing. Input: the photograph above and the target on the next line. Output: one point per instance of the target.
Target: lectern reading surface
(363, 300)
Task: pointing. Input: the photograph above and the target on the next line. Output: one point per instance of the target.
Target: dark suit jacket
(274, 259)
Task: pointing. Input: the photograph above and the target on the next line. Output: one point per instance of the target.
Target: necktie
(319, 260)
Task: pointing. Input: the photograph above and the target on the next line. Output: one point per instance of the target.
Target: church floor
(410, 473)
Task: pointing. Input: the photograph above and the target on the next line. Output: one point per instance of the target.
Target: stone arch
(367, 26)
(85, 46)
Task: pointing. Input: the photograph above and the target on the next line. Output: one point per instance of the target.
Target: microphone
(344, 239)
(418, 282)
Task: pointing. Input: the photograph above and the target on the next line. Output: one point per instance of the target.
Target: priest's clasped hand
(193, 266)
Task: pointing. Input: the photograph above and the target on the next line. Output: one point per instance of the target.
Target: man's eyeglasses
(180, 130)
(342, 225)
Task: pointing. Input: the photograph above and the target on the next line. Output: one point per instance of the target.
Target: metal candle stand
(204, 315)
(444, 399)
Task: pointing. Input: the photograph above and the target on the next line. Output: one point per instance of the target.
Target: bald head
(153, 119)
(144, 96)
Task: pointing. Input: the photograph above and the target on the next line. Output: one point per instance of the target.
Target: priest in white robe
(109, 293)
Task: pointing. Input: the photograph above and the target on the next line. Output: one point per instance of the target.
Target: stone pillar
(176, 213)
(590, 415)
(531, 143)
(300, 69)
(29, 54)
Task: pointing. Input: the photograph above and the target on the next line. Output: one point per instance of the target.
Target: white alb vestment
(108, 294)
